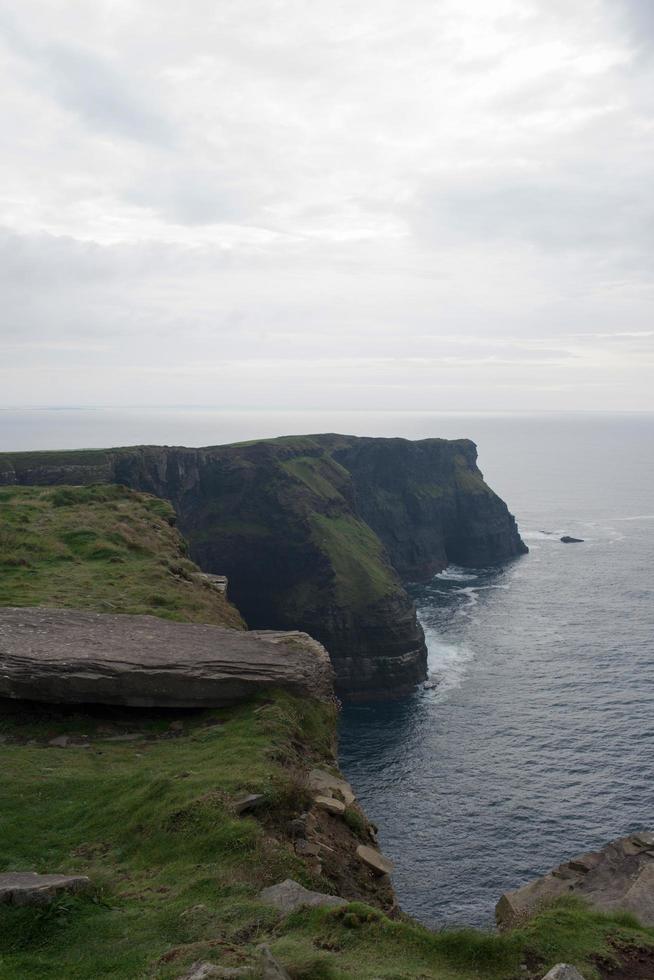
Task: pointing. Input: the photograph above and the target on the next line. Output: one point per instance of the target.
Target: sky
(419, 205)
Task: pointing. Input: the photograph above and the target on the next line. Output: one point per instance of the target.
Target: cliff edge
(317, 533)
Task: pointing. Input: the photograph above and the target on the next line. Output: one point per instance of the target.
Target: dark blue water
(538, 741)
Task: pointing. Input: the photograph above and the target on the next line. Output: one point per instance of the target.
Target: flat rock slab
(290, 895)
(29, 888)
(377, 863)
(619, 877)
(71, 656)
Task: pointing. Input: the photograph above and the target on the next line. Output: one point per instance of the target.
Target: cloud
(412, 207)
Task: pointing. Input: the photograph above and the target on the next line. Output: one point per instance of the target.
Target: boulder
(71, 656)
(29, 888)
(377, 863)
(566, 539)
(563, 971)
(331, 805)
(289, 895)
(323, 782)
(618, 877)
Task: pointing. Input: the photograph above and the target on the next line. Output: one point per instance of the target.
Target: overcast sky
(380, 204)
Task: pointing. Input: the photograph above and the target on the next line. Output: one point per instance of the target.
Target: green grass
(362, 573)
(176, 873)
(322, 475)
(104, 548)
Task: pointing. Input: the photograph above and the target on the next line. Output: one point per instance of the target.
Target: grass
(362, 573)
(104, 548)
(176, 873)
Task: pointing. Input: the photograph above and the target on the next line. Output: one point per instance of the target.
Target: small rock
(331, 805)
(60, 742)
(566, 539)
(289, 895)
(248, 803)
(563, 971)
(298, 827)
(306, 848)
(201, 971)
(272, 970)
(374, 860)
(176, 726)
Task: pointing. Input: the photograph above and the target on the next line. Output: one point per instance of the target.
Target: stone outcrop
(317, 532)
(563, 971)
(69, 656)
(289, 895)
(29, 888)
(620, 877)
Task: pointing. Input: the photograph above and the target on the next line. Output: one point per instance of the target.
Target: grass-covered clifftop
(104, 548)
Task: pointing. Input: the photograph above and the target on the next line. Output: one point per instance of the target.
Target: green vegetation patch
(321, 474)
(104, 548)
(362, 572)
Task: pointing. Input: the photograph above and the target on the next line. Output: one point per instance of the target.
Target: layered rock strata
(619, 877)
(69, 656)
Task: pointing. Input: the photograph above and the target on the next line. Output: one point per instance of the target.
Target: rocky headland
(317, 533)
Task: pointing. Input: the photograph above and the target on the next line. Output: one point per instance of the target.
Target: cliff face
(316, 533)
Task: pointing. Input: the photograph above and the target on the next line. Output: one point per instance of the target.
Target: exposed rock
(331, 805)
(272, 969)
(288, 895)
(566, 539)
(619, 877)
(307, 848)
(323, 782)
(248, 803)
(563, 971)
(70, 656)
(317, 532)
(29, 888)
(202, 971)
(217, 582)
(377, 863)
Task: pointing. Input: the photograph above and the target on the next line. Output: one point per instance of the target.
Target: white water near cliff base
(538, 739)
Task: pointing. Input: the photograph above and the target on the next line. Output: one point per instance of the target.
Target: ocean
(536, 741)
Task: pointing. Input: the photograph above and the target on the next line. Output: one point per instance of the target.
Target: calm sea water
(538, 740)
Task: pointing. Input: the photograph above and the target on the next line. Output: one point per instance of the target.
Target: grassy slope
(362, 573)
(104, 548)
(175, 872)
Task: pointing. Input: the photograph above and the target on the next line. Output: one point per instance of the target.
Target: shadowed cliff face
(316, 533)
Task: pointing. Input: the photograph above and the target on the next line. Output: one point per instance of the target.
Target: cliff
(317, 532)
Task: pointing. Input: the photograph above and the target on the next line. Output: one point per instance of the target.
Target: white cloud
(387, 204)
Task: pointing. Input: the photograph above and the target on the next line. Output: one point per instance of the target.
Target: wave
(454, 573)
(447, 664)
